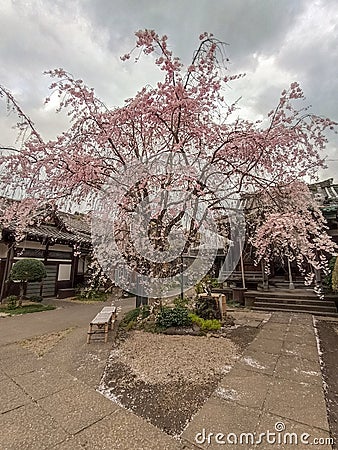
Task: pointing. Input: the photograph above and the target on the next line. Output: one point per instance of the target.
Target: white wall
(64, 272)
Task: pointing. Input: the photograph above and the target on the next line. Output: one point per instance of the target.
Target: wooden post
(222, 305)
(242, 263)
(89, 334)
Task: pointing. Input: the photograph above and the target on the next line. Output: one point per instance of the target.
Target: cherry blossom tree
(287, 224)
(180, 136)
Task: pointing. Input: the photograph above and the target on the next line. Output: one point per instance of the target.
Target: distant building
(63, 243)
(326, 194)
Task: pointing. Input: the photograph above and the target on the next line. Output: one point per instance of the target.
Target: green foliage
(92, 295)
(328, 279)
(31, 309)
(207, 308)
(36, 298)
(145, 311)
(28, 270)
(206, 281)
(173, 317)
(335, 276)
(181, 302)
(131, 316)
(11, 302)
(205, 325)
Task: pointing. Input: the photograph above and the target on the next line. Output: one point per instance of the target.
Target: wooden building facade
(63, 244)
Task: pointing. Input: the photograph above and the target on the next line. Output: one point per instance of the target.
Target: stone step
(300, 306)
(300, 301)
(290, 310)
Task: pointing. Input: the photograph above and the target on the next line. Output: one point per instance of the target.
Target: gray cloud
(274, 42)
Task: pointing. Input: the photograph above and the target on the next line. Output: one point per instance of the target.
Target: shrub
(92, 294)
(206, 283)
(173, 317)
(205, 325)
(27, 270)
(181, 302)
(335, 276)
(36, 298)
(327, 281)
(145, 311)
(11, 301)
(131, 316)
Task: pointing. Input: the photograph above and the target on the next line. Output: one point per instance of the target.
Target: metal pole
(291, 285)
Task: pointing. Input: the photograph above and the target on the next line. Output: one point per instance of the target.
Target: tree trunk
(22, 290)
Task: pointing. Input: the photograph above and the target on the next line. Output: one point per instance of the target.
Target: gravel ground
(167, 378)
(42, 344)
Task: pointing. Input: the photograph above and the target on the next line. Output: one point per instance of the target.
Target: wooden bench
(103, 321)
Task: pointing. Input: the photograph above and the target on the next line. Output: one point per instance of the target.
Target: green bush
(206, 281)
(327, 281)
(181, 302)
(173, 317)
(205, 325)
(335, 276)
(11, 302)
(36, 298)
(28, 270)
(131, 316)
(145, 311)
(92, 294)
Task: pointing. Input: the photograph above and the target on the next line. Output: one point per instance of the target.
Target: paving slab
(257, 361)
(11, 396)
(302, 334)
(245, 387)
(276, 333)
(77, 407)
(11, 351)
(269, 422)
(220, 416)
(301, 402)
(298, 369)
(302, 350)
(301, 319)
(21, 363)
(275, 326)
(121, 430)
(280, 318)
(44, 382)
(273, 346)
(28, 428)
(3, 376)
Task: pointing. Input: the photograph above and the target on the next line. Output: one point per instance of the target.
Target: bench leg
(106, 328)
(89, 334)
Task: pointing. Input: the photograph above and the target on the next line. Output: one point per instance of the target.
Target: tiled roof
(50, 231)
(67, 228)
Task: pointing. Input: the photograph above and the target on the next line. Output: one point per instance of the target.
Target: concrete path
(275, 386)
(51, 402)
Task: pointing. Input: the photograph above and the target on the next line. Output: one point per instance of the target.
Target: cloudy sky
(274, 42)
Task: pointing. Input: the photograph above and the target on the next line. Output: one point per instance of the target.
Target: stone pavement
(51, 402)
(276, 382)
